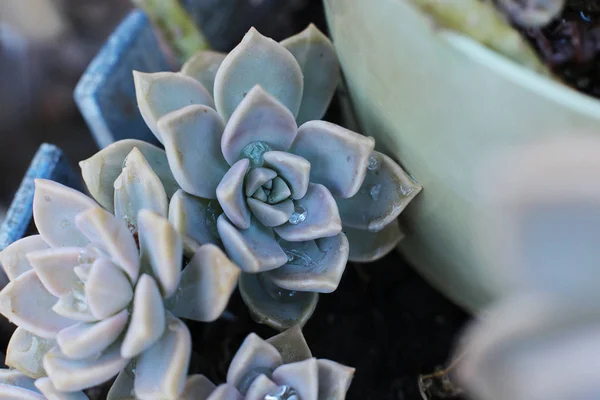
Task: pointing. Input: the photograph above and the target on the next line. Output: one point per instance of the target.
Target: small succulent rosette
(292, 203)
(280, 368)
(94, 293)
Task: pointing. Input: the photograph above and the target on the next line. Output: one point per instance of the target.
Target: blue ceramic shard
(49, 163)
(105, 93)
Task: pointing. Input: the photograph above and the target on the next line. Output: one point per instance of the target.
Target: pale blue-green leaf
(15, 385)
(100, 171)
(254, 249)
(321, 69)
(279, 192)
(203, 67)
(26, 303)
(148, 321)
(163, 92)
(25, 352)
(338, 157)
(13, 258)
(276, 307)
(197, 387)
(313, 266)
(385, 192)
(192, 139)
(256, 178)
(302, 376)
(230, 193)
(74, 305)
(85, 340)
(334, 379)
(255, 356)
(367, 246)
(225, 391)
(54, 209)
(161, 250)
(47, 388)
(259, 388)
(195, 217)
(161, 371)
(70, 375)
(55, 266)
(259, 118)
(258, 60)
(107, 289)
(322, 218)
(138, 188)
(294, 169)
(271, 214)
(207, 283)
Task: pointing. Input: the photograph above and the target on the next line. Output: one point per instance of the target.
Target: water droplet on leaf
(298, 216)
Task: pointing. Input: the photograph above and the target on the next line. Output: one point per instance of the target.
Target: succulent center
(283, 392)
(254, 152)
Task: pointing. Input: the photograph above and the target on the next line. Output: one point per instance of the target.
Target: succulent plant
(290, 205)
(280, 368)
(88, 302)
(15, 385)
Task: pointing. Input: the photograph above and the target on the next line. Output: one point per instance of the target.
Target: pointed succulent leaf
(259, 118)
(313, 266)
(321, 218)
(161, 250)
(85, 340)
(385, 192)
(54, 267)
(138, 188)
(192, 139)
(225, 391)
(206, 285)
(338, 156)
(334, 379)
(276, 307)
(54, 209)
(107, 290)
(15, 385)
(279, 192)
(195, 217)
(122, 387)
(70, 375)
(197, 387)
(26, 303)
(254, 249)
(366, 246)
(256, 178)
(74, 305)
(148, 321)
(13, 258)
(102, 169)
(261, 386)
(230, 193)
(45, 386)
(317, 58)
(258, 60)
(161, 371)
(111, 235)
(26, 351)
(302, 376)
(291, 345)
(255, 356)
(163, 92)
(271, 214)
(294, 169)
(203, 67)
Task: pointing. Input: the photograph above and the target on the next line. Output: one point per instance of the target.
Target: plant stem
(176, 27)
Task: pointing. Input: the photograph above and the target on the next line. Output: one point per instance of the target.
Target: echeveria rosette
(88, 302)
(276, 368)
(275, 188)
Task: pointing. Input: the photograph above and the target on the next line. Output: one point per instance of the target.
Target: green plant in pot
(442, 86)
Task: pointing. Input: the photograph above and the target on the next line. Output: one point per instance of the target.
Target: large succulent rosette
(279, 368)
(94, 293)
(291, 203)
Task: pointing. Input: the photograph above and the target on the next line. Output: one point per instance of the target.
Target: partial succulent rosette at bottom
(279, 368)
(15, 385)
(88, 301)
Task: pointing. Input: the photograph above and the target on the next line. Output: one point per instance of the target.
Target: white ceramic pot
(441, 103)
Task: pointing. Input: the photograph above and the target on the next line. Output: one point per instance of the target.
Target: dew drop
(374, 191)
(373, 163)
(298, 216)
(283, 392)
(254, 152)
